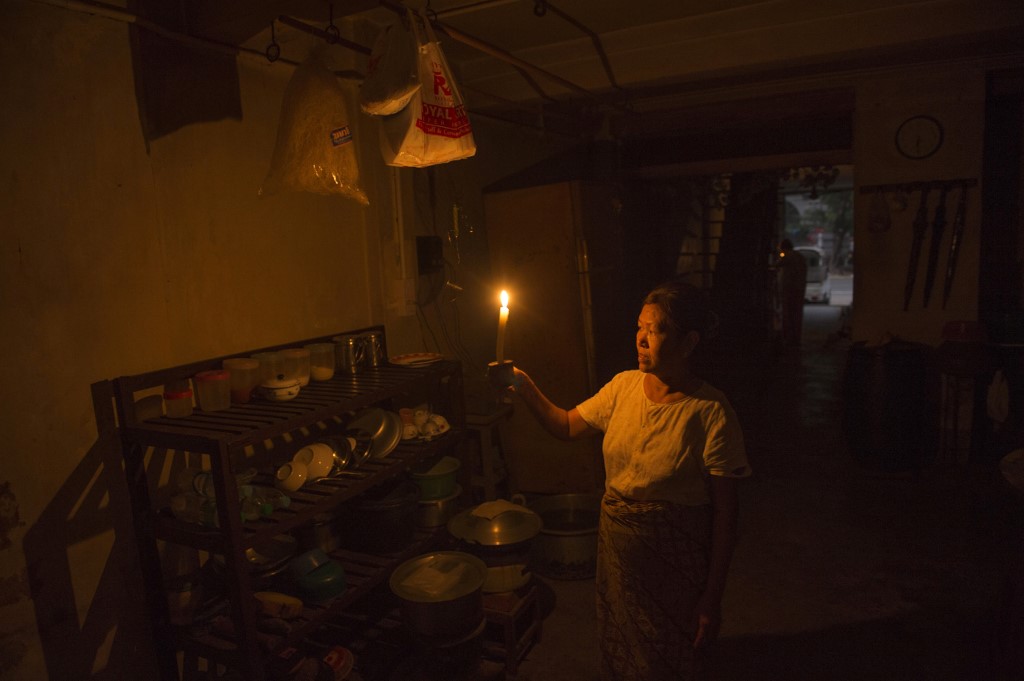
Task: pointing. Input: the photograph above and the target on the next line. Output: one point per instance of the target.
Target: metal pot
(437, 479)
(381, 521)
(567, 545)
(441, 595)
(437, 512)
(500, 533)
(495, 523)
(323, 533)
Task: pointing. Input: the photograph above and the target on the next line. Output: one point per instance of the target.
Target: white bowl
(291, 476)
(280, 390)
(318, 458)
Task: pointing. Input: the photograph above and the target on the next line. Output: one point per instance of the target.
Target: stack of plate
(384, 428)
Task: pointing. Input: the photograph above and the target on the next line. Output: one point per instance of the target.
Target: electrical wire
(430, 286)
(464, 352)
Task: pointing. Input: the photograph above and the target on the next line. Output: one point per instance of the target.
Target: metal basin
(566, 547)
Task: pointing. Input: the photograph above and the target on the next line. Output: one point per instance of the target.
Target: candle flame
(504, 298)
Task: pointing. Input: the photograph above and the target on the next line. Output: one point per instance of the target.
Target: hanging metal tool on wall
(938, 228)
(954, 244)
(920, 228)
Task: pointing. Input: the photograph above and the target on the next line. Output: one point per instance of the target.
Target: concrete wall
(955, 97)
(115, 261)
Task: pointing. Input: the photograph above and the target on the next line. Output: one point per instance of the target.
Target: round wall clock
(919, 137)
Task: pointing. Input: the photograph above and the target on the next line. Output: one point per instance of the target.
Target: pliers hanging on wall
(938, 227)
(954, 244)
(920, 228)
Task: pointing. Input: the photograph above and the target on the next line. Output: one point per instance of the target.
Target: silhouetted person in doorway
(792, 282)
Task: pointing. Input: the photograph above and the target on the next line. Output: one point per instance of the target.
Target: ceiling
(692, 69)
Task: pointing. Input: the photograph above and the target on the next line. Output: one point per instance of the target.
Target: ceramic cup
(291, 476)
(318, 459)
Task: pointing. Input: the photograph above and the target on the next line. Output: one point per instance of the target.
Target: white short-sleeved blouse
(665, 451)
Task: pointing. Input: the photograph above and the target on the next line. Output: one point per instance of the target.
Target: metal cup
(501, 374)
(373, 348)
(350, 353)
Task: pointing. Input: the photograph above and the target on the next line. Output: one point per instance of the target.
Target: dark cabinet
(558, 249)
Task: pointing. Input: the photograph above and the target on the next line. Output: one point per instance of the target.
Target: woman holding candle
(673, 451)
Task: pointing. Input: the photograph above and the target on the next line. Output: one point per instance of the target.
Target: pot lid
(437, 577)
(495, 523)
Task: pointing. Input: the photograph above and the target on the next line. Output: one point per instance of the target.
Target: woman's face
(655, 342)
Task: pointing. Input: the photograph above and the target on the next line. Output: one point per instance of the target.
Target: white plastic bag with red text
(434, 127)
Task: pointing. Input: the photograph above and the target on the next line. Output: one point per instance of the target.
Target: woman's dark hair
(685, 307)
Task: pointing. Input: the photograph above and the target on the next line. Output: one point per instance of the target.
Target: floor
(840, 572)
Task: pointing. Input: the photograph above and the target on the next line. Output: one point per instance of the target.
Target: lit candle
(502, 320)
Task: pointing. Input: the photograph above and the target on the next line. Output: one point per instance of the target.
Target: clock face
(919, 137)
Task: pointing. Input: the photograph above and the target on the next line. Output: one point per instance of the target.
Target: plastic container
(183, 596)
(321, 361)
(245, 376)
(271, 366)
(296, 364)
(195, 481)
(214, 389)
(178, 403)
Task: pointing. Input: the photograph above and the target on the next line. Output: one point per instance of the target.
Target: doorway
(816, 216)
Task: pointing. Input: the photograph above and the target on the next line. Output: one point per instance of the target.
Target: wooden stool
(486, 431)
(513, 624)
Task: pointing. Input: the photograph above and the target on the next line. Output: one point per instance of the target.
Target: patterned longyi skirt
(651, 569)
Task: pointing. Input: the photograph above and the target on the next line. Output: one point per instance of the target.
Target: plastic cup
(245, 376)
(271, 366)
(296, 364)
(321, 361)
(214, 389)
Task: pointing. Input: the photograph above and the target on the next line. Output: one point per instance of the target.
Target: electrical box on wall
(429, 255)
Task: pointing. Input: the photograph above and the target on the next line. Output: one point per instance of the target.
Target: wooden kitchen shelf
(261, 435)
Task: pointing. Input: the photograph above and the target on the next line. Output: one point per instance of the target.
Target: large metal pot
(437, 512)
(500, 533)
(441, 595)
(567, 545)
(323, 533)
(381, 521)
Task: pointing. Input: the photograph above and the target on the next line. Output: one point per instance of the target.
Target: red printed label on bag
(444, 121)
(440, 82)
(443, 117)
(341, 136)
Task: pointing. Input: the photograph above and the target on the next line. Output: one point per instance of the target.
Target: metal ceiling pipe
(594, 39)
(117, 14)
(323, 34)
(495, 51)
